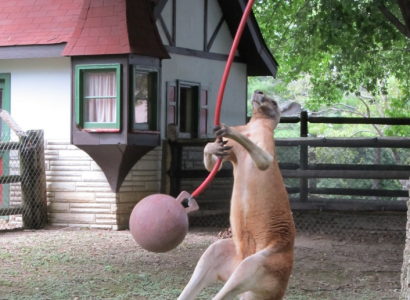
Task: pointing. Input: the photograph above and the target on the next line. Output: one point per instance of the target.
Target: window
(97, 91)
(145, 99)
(188, 108)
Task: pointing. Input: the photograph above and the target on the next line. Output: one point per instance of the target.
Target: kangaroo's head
(264, 107)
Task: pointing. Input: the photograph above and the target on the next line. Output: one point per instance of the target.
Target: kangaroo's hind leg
(261, 276)
(217, 263)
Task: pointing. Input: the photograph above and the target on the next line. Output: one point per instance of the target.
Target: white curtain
(100, 85)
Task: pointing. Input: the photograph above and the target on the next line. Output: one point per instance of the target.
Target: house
(104, 78)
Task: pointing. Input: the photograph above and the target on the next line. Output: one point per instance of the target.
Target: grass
(94, 265)
(87, 264)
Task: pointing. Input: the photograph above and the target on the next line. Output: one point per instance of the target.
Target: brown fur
(259, 257)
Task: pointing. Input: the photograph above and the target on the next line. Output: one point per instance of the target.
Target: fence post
(174, 171)
(304, 159)
(33, 180)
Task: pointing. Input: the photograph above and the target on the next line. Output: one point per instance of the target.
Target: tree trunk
(405, 270)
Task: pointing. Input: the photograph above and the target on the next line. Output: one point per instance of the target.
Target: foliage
(345, 46)
(351, 105)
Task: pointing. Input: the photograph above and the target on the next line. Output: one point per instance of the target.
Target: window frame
(196, 87)
(80, 71)
(198, 122)
(153, 98)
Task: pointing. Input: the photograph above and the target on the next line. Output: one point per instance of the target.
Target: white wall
(209, 74)
(40, 94)
(224, 40)
(190, 24)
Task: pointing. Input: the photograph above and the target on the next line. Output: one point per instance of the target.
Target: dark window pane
(186, 110)
(141, 97)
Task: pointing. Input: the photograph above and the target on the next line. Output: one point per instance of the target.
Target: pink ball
(159, 223)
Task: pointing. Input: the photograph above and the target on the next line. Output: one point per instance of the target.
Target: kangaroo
(257, 261)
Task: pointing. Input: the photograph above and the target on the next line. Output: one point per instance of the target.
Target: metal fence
(23, 199)
(344, 186)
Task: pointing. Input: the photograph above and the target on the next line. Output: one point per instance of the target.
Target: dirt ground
(72, 263)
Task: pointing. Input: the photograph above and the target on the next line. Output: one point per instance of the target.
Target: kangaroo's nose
(258, 92)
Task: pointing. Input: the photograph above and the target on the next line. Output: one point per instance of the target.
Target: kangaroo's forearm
(260, 157)
(209, 158)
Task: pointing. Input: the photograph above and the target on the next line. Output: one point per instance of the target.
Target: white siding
(162, 34)
(190, 24)
(223, 42)
(209, 74)
(40, 94)
(78, 192)
(167, 15)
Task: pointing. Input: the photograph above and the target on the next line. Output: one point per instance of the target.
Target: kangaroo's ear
(291, 108)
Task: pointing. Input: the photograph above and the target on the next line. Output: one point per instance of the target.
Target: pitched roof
(109, 27)
(252, 46)
(37, 22)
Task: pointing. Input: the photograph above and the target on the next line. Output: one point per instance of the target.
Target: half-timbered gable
(105, 80)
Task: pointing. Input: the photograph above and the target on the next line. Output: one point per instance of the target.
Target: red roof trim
(37, 22)
(116, 27)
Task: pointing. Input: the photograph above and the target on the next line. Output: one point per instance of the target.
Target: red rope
(222, 91)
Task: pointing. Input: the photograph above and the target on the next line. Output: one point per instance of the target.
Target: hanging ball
(159, 223)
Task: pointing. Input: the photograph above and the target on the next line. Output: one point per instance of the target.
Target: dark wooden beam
(205, 24)
(289, 119)
(10, 145)
(337, 120)
(164, 26)
(213, 37)
(338, 206)
(380, 121)
(359, 167)
(201, 54)
(9, 211)
(377, 142)
(345, 174)
(158, 9)
(4, 179)
(174, 21)
(359, 192)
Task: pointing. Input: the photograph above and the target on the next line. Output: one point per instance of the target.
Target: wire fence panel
(331, 189)
(23, 201)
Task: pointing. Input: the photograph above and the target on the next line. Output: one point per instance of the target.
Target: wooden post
(175, 168)
(33, 180)
(304, 158)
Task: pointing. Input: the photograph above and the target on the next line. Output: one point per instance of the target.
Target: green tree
(344, 46)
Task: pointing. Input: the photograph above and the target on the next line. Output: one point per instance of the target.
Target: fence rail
(29, 161)
(312, 192)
